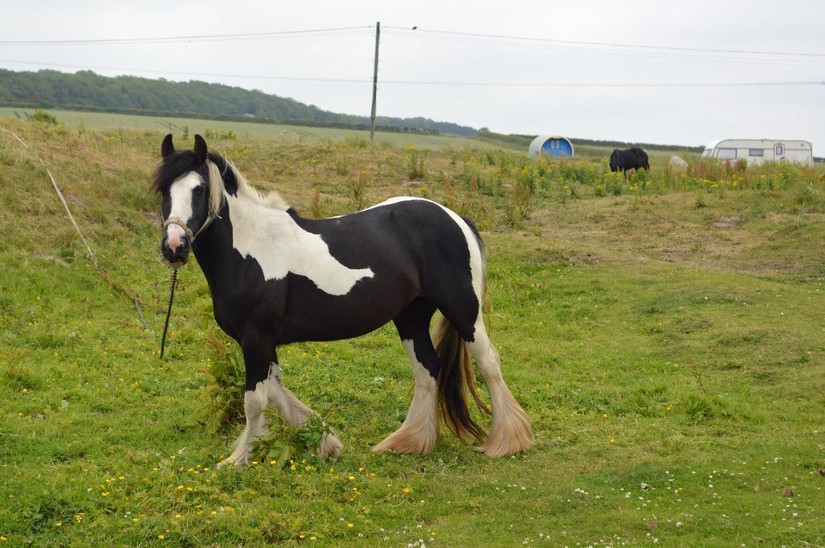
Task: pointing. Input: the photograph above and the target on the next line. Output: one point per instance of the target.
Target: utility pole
(375, 79)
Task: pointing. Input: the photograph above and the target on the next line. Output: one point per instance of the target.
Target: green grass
(281, 133)
(666, 341)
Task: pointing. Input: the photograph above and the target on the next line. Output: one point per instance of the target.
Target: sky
(665, 72)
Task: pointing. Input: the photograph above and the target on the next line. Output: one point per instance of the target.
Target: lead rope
(185, 227)
(168, 310)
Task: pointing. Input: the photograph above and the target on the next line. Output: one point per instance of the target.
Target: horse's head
(188, 203)
(614, 160)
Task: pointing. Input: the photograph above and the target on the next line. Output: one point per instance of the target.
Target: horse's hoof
(505, 447)
(330, 447)
(230, 462)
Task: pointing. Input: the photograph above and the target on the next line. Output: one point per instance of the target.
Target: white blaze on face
(180, 194)
(280, 246)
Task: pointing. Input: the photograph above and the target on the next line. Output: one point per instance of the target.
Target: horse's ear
(167, 148)
(200, 150)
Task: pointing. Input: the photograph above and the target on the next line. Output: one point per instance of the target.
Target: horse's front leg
(296, 413)
(257, 352)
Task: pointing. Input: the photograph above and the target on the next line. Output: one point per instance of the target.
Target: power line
(192, 74)
(698, 57)
(626, 50)
(413, 31)
(614, 48)
(188, 38)
(783, 58)
(607, 84)
(436, 83)
(418, 30)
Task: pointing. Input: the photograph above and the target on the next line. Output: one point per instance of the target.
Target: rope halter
(188, 231)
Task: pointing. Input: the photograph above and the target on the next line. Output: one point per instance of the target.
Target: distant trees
(85, 90)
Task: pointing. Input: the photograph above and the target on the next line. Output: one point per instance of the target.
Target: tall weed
(223, 396)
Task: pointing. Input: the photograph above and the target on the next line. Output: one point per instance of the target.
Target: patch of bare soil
(727, 222)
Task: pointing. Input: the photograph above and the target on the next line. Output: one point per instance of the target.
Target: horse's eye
(199, 190)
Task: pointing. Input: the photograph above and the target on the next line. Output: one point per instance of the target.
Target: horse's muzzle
(176, 251)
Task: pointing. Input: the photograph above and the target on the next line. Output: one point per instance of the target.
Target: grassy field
(284, 133)
(665, 335)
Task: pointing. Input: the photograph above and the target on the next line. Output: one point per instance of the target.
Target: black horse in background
(631, 158)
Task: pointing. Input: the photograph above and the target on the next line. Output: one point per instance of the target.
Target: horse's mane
(222, 173)
(228, 172)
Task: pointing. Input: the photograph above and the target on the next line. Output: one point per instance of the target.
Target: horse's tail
(455, 378)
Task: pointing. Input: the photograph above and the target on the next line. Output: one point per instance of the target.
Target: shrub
(357, 187)
(226, 378)
(415, 164)
(42, 116)
(217, 134)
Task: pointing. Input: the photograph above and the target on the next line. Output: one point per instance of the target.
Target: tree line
(88, 91)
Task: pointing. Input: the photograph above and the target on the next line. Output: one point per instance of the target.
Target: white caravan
(756, 151)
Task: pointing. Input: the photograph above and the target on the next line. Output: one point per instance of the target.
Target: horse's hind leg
(510, 431)
(419, 432)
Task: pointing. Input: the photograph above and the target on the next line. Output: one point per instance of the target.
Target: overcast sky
(668, 72)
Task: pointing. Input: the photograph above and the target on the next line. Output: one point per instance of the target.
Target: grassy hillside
(665, 335)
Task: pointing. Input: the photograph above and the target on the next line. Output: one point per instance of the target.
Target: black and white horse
(277, 278)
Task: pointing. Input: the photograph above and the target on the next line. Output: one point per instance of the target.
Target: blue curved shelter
(554, 146)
